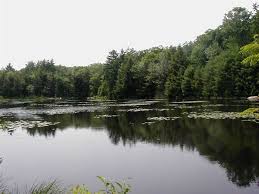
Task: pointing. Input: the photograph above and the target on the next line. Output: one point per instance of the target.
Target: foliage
(110, 188)
(251, 51)
(252, 112)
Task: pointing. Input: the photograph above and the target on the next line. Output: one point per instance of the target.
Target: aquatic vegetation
(213, 115)
(36, 113)
(162, 118)
(10, 126)
(190, 102)
(181, 106)
(135, 103)
(135, 110)
(250, 115)
(212, 105)
(143, 109)
(148, 123)
(105, 116)
(251, 112)
(195, 105)
(18, 112)
(68, 110)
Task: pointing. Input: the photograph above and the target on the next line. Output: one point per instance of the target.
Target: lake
(156, 146)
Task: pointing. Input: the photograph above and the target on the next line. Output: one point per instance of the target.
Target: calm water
(196, 147)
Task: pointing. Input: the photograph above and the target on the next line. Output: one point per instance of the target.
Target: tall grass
(46, 188)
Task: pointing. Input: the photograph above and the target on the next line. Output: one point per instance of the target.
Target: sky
(81, 32)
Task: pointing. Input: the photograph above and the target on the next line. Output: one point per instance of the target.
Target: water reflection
(231, 143)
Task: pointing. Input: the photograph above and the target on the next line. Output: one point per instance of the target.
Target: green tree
(96, 76)
(237, 25)
(176, 70)
(187, 82)
(124, 86)
(81, 80)
(251, 52)
(111, 68)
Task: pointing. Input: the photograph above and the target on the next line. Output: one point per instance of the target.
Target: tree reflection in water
(232, 144)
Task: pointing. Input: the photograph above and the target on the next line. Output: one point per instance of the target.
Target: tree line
(223, 62)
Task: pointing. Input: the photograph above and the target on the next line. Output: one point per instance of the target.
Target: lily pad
(106, 116)
(162, 118)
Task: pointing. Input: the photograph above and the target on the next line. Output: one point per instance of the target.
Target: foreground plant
(50, 188)
(109, 188)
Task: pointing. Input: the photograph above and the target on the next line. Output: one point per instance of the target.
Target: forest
(223, 62)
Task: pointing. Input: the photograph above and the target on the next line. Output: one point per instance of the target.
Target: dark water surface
(181, 148)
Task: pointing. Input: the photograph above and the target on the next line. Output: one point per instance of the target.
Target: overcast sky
(81, 32)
